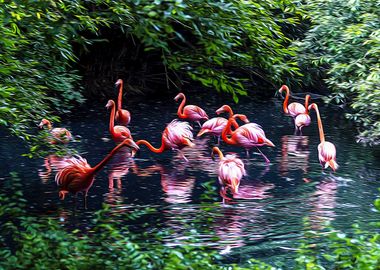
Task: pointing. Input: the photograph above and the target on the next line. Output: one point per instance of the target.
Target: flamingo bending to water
(122, 116)
(78, 175)
(190, 112)
(118, 133)
(247, 136)
(326, 150)
(230, 171)
(59, 135)
(176, 136)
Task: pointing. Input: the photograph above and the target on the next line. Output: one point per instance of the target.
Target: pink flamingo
(326, 150)
(303, 119)
(176, 136)
(190, 112)
(215, 125)
(78, 175)
(118, 133)
(230, 171)
(294, 108)
(122, 116)
(248, 135)
(59, 135)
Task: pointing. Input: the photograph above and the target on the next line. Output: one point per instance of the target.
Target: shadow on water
(264, 219)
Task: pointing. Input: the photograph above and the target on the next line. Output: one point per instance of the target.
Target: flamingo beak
(269, 143)
(202, 131)
(41, 125)
(177, 97)
(220, 110)
(118, 82)
(235, 185)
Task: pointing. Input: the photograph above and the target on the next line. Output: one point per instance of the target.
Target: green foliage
(343, 44)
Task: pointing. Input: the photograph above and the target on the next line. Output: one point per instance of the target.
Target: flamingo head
(313, 106)
(282, 88)
(130, 143)
(203, 131)
(44, 122)
(224, 108)
(180, 95)
(110, 104)
(242, 117)
(118, 82)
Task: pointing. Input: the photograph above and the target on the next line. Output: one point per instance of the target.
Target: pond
(264, 220)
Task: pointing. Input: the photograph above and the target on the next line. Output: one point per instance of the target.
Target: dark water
(265, 220)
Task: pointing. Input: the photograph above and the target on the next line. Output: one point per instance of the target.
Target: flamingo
(59, 135)
(303, 119)
(294, 108)
(118, 133)
(215, 125)
(248, 135)
(78, 175)
(176, 136)
(230, 171)
(190, 112)
(122, 116)
(326, 150)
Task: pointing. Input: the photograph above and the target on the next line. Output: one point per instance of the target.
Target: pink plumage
(214, 126)
(295, 109)
(176, 132)
(327, 155)
(250, 135)
(190, 112)
(231, 170)
(302, 120)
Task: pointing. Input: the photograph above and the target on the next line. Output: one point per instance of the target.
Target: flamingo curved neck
(227, 130)
(285, 105)
(230, 112)
(151, 147)
(180, 108)
(101, 164)
(217, 150)
(120, 97)
(307, 104)
(320, 126)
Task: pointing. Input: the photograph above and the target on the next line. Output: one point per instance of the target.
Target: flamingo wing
(195, 113)
(296, 108)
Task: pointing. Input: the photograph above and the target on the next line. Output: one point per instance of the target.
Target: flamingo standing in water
(215, 125)
(230, 171)
(176, 136)
(190, 112)
(248, 135)
(122, 116)
(294, 108)
(59, 135)
(78, 175)
(118, 133)
(303, 119)
(326, 150)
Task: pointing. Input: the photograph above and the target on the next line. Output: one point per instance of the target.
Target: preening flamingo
(294, 108)
(176, 136)
(122, 116)
(326, 150)
(118, 133)
(247, 136)
(230, 171)
(78, 175)
(303, 119)
(215, 125)
(59, 135)
(190, 112)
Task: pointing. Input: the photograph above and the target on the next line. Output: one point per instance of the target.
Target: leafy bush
(343, 44)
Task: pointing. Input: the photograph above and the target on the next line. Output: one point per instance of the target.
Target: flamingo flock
(75, 175)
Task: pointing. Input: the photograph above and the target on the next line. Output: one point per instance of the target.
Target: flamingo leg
(199, 123)
(85, 200)
(182, 155)
(264, 156)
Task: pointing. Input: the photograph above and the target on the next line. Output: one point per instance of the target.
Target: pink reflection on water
(323, 202)
(52, 164)
(294, 154)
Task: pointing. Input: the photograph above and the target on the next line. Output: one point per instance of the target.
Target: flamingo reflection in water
(78, 175)
(294, 154)
(323, 202)
(176, 185)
